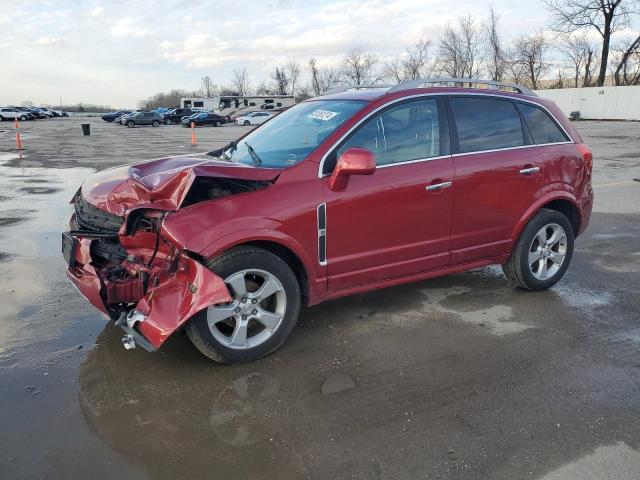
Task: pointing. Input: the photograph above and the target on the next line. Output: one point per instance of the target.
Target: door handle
(437, 186)
(529, 171)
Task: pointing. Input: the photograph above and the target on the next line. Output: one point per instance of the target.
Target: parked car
(30, 114)
(38, 114)
(204, 119)
(110, 117)
(253, 118)
(11, 113)
(340, 194)
(176, 115)
(142, 118)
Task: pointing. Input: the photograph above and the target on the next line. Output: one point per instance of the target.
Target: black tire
(518, 270)
(155, 123)
(23, 118)
(167, 121)
(236, 260)
(130, 124)
(218, 124)
(246, 123)
(1, 119)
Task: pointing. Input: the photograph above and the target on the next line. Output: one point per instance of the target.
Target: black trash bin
(86, 129)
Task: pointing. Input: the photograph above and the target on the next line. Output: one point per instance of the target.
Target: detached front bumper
(171, 292)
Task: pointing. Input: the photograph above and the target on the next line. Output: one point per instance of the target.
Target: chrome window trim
(322, 232)
(450, 94)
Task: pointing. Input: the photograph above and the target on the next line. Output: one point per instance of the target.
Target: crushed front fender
(177, 298)
(175, 291)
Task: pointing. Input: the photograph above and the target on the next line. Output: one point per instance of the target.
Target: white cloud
(195, 41)
(96, 12)
(125, 27)
(48, 41)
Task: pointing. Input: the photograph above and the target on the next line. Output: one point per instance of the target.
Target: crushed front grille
(92, 219)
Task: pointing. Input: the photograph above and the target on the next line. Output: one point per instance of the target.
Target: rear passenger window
(543, 129)
(486, 124)
(409, 131)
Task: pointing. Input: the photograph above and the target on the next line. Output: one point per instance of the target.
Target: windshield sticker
(322, 115)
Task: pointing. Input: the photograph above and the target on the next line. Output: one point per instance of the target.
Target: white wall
(598, 103)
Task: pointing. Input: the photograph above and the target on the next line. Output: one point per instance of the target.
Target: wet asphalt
(458, 377)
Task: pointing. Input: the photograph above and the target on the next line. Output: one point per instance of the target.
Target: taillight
(587, 156)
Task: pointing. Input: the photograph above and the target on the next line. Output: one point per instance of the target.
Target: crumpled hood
(161, 184)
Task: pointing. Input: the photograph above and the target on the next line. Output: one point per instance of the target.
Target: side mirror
(354, 161)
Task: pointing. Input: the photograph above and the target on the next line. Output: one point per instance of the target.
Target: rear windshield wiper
(254, 156)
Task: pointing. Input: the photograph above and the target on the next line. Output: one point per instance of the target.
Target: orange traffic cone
(194, 141)
(18, 141)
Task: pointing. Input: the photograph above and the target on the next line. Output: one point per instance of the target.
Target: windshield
(289, 137)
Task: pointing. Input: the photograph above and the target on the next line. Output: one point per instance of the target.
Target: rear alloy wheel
(543, 252)
(262, 313)
(23, 118)
(167, 121)
(218, 124)
(130, 124)
(155, 123)
(246, 123)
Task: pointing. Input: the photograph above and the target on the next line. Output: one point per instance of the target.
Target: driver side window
(401, 133)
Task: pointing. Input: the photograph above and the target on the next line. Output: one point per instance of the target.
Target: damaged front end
(120, 261)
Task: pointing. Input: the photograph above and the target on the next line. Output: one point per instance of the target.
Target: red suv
(344, 193)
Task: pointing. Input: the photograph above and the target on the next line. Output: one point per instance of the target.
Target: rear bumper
(170, 299)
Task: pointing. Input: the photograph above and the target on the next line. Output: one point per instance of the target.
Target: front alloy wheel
(257, 310)
(263, 310)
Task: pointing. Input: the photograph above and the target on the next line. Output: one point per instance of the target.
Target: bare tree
(496, 62)
(293, 73)
(605, 16)
(322, 78)
(263, 89)
(358, 68)
(460, 49)
(240, 81)
(528, 59)
(280, 81)
(412, 65)
(627, 61)
(579, 52)
(207, 87)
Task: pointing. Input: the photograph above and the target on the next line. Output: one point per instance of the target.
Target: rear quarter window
(486, 124)
(542, 127)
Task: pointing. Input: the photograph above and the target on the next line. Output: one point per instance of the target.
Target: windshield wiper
(222, 152)
(254, 156)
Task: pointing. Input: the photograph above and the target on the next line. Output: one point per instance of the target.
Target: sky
(119, 52)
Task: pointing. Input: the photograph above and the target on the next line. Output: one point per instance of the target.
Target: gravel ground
(458, 377)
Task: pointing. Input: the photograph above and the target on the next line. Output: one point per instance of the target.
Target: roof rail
(419, 82)
(345, 88)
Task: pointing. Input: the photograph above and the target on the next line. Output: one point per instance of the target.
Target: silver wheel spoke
(239, 335)
(542, 269)
(219, 313)
(268, 288)
(535, 256)
(555, 237)
(556, 257)
(268, 319)
(238, 284)
(542, 237)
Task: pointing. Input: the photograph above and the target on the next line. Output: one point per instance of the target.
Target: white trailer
(235, 105)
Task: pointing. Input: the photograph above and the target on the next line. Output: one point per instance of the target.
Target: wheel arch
(561, 201)
(285, 248)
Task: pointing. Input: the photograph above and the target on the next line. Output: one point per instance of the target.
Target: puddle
(498, 319)
(617, 461)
